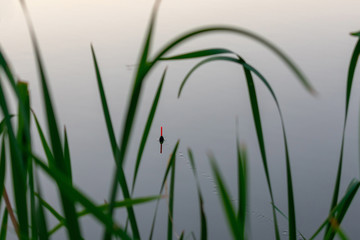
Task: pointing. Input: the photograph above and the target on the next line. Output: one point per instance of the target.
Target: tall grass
(28, 213)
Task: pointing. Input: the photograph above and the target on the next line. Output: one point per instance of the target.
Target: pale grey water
(314, 34)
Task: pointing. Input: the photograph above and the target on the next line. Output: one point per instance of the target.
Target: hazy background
(315, 34)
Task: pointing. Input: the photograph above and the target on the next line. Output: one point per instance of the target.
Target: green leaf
(57, 149)
(147, 129)
(4, 225)
(76, 196)
(197, 54)
(119, 175)
(103, 207)
(50, 208)
(169, 166)
(239, 31)
(67, 158)
(351, 71)
(171, 201)
(225, 198)
(242, 188)
(2, 167)
(203, 223)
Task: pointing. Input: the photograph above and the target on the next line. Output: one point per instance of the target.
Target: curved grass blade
(76, 196)
(203, 234)
(169, 166)
(147, 129)
(171, 201)
(351, 71)
(197, 54)
(68, 205)
(120, 175)
(225, 198)
(119, 204)
(263, 41)
(248, 68)
(4, 225)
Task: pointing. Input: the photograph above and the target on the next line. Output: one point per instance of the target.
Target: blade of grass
(18, 170)
(225, 198)
(239, 31)
(44, 143)
(2, 167)
(4, 225)
(203, 224)
(57, 149)
(142, 70)
(169, 166)
(120, 175)
(242, 187)
(350, 78)
(197, 54)
(341, 207)
(119, 204)
(147, 129)
(50, 208)
(76, 196)
(67, 155)
(171, 201)
(41, 222)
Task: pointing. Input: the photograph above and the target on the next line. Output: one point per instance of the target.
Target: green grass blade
(57, 149)
(351, 71)
(2, 167)
(40, 218)
(259, 132)
(142, 71)
(120, 175)
(67, 155)
(171, 201)
(340, 209)
(103, 207)
(76, 196)
(226, 202)
(286, 217)
(350, 78)
(18, 169)
(4, 225)
(197, 54)
(44, 143)
(203, 224)
(50, 208)
(105, 107)
(191, 34)
(343, 207)
(242, 188)
(147, 129)
(169, 166)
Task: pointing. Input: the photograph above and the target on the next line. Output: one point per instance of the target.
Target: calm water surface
(314, 33)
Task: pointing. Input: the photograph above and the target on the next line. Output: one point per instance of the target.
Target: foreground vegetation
(29, 217)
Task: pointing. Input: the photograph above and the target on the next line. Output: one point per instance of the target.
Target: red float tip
(161, 131)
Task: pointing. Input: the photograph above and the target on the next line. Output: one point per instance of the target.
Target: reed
(28, 211)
